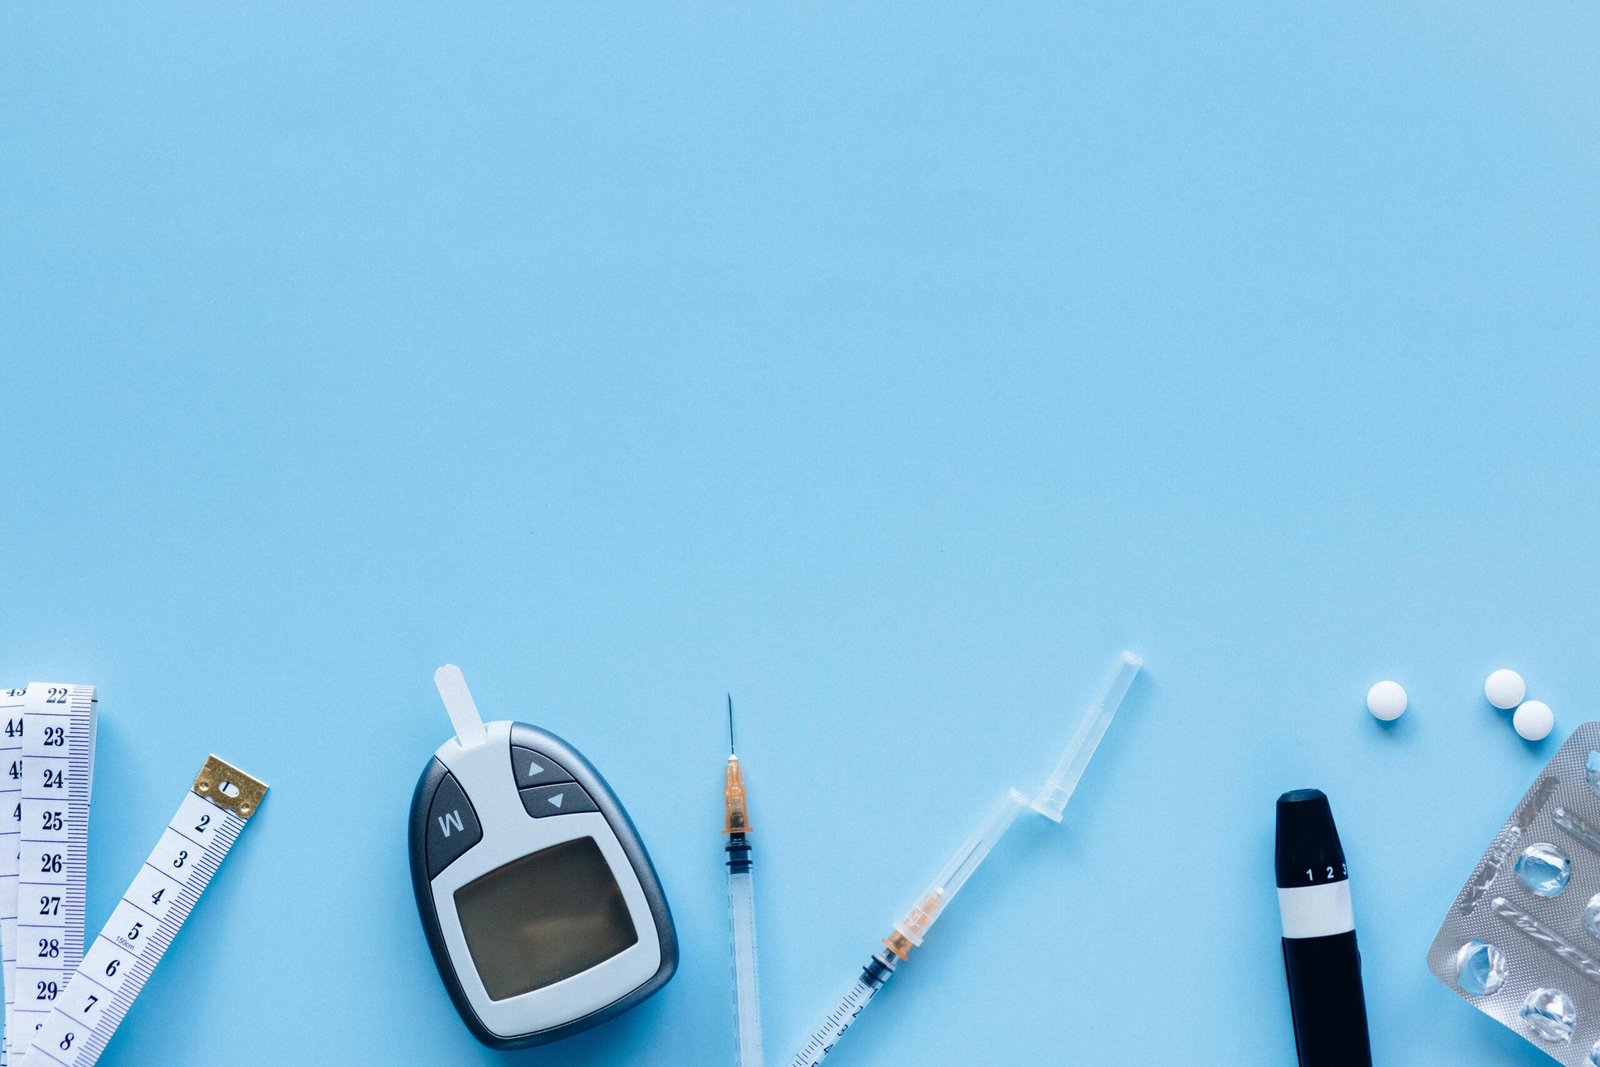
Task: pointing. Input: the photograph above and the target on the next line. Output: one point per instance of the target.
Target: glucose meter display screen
(544, 917)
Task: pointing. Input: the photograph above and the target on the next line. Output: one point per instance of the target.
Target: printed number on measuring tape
(53, 850)
(82, 1019)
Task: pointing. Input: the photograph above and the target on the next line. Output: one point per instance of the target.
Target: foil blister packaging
(1521, 942)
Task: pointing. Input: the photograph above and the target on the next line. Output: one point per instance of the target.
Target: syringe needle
(730, 724)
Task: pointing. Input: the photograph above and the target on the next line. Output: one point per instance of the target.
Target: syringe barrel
(747, 994)
(961, 866)
(868, 981)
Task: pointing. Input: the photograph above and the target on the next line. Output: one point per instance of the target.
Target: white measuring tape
(58, 724)
(62, 1005)
(81, 1021)
(10, 824)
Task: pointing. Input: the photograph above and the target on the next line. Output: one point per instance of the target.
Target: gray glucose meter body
(540, 904)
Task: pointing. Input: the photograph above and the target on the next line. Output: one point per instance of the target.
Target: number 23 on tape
(119, 961)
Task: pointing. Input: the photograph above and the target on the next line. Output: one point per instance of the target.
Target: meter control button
(452, 825)
(545, 800)
(535, 768)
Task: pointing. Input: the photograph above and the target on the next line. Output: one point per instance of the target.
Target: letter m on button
(447, 821)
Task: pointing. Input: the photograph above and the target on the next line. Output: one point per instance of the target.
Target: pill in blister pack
(1521, 942)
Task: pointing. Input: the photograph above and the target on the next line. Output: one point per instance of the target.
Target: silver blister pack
(1521, 942)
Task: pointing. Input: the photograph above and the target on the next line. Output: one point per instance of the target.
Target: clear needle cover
(1057, 790)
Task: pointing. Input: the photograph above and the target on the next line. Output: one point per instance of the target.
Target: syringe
(910, 930)
(742, 909)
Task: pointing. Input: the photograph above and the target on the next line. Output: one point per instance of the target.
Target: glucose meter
(540, 904)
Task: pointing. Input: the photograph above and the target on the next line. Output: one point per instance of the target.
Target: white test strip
(213, 813)
(10, 821)
(57, 776)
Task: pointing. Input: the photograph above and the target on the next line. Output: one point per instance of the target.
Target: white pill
(1386, 700)
(1505, 689)
(1534, 720)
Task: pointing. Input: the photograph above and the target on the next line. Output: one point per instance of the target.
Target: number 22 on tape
(116, 966)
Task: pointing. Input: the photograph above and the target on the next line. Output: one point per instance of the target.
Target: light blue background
(887, 365)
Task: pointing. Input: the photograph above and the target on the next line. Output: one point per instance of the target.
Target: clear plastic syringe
(742, 909)
(910, 930)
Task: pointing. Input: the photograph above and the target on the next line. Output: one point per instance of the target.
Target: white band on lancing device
(58, 723)
(116, 965)
(1316, 910)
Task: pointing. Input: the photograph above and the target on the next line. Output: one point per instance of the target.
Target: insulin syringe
(908, 933)
(742, 908)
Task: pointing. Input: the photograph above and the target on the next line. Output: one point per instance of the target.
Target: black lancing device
(1320, 958)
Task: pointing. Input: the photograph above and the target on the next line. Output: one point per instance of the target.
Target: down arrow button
(566, 799)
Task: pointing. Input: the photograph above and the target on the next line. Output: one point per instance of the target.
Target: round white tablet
(1534, 720)
(1386, 700)
(1505, 689)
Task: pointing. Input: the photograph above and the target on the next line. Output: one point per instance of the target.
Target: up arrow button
(532, 768)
